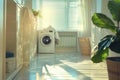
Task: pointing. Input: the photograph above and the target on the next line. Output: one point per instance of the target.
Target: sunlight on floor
(37, 76)
(67, 66)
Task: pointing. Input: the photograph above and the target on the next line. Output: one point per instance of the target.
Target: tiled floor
(63, 66)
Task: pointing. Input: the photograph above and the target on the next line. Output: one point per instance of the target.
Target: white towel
(57, 38)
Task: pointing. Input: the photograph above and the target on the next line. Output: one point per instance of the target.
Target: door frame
(2, 40)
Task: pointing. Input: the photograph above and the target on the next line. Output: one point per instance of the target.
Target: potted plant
(109, 42)
(36, 13)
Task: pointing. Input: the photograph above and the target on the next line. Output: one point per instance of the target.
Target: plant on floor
(111, 42)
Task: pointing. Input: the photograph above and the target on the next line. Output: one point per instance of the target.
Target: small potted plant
(36, 13)
(109, 42)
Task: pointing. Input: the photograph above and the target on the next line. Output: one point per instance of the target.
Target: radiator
(68, 40)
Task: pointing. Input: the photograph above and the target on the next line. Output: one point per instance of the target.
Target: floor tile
(63, 66)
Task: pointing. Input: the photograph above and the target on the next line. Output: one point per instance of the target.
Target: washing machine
(46, 42)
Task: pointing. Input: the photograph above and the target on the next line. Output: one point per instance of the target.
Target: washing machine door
(46, 40)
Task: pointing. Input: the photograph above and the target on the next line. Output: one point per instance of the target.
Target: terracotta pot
(113, 66)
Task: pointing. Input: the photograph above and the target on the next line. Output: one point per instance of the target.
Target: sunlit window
(61, 14)
(54, 14)
(74, 15)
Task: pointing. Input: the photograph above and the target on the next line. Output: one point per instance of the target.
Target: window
(53, 13)
(74, 15)
(61, 14)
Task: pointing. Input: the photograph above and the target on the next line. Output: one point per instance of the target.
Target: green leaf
(105, 42)
(102, 49)
(114, 7)
(115, 45)
(102, 21)
(100, 55)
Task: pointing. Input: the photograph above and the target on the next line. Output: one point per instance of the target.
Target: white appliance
(46, 42)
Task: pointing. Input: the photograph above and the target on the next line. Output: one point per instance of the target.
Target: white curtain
(85, 10)
(72, 15)
(54, 14)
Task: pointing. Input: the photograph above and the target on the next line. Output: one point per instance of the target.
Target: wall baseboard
(11, 77)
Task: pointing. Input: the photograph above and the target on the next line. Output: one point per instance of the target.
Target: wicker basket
(113, 66)
(84, 45)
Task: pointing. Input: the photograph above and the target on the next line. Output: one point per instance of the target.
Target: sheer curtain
(67, 15)
(85, 9)
(54, 14)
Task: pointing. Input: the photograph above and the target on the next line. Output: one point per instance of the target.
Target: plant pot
(113, 66)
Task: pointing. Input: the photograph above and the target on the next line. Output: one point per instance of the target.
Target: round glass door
(46, 40)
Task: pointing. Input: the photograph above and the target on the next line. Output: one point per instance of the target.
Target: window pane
(54, 14)
(74, 15)
(61, 14)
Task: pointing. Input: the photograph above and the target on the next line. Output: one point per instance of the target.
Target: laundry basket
(84, 45)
